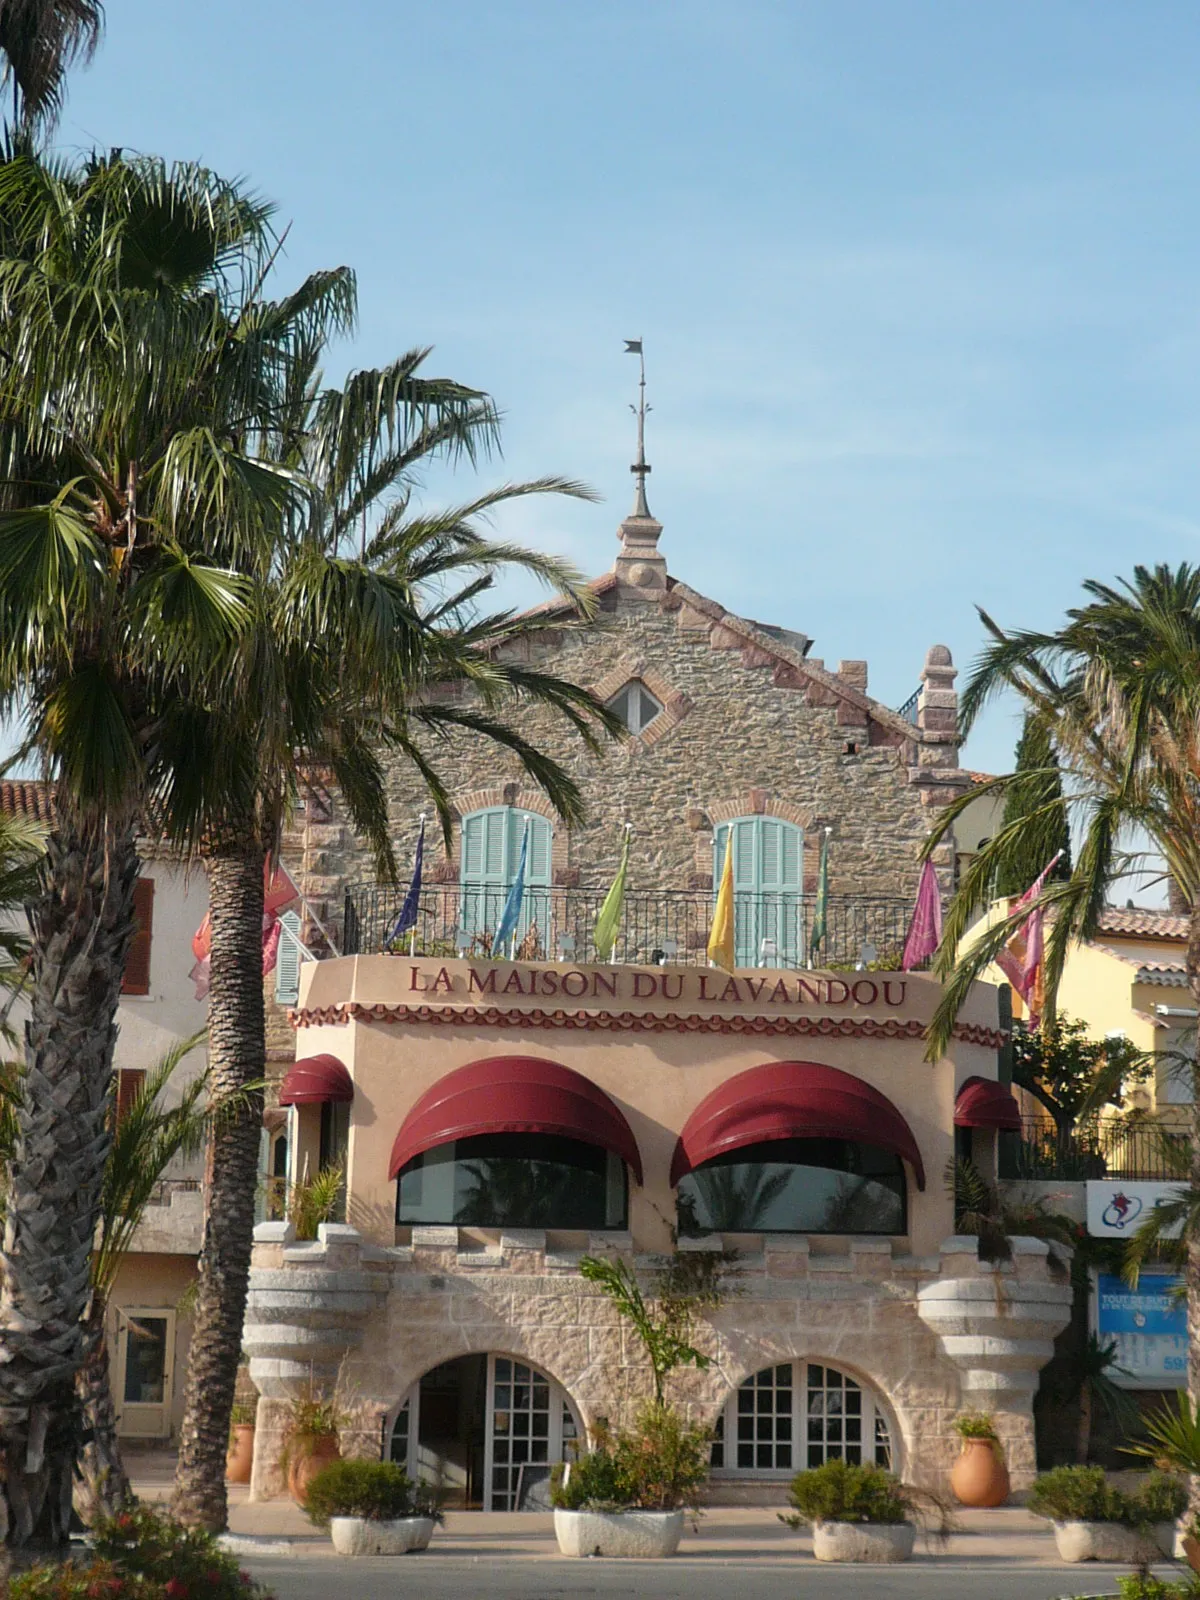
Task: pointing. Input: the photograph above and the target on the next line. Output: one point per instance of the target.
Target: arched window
(514, 1180)
(490, 856)
(797, 1415)
(768, 883)
(796, 1186)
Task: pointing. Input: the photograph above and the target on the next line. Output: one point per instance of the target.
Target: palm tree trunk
(1193, 1246)
(236, 1055)
(103, 1488)
(82, 924)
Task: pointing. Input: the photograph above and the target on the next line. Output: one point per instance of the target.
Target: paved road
(511, 1577)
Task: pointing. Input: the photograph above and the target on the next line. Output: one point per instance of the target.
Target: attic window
(636, 706)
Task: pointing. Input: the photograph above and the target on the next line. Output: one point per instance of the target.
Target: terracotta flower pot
(1191, 1550)
(241, 1454)
(979, 1477)
(308, 1455)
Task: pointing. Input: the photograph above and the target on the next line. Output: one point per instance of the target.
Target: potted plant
(314, 1423)
(628, 1494)
(979, 1477)
(861, 1513)
(240, 1459)
(371, 1508)
(1095, 1521)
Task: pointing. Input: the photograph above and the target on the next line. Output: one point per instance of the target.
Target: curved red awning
(984, 1103)
(792, 1100)
(514, 1094)
(315, 1079)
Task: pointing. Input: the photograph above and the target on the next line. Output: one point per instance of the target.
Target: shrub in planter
(1141, 1586)
(376, 1491)
(862, 1513)
(1095, 1521)
(143, 1555)
(979, 1477)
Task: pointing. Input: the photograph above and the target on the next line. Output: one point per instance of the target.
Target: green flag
(609, 920)
(817, 937)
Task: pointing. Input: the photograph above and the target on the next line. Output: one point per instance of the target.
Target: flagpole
(412, 938)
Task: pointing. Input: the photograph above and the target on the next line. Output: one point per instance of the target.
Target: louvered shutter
(137, 962)
(287, 964)
(471, 851)
(129, 1086)
(537, 868)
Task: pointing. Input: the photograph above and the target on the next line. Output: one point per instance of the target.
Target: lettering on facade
(757, 991)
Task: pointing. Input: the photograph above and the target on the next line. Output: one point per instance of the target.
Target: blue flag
(506, 928)
(407, 920)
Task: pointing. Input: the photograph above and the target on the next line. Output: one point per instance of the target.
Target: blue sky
(917, 281)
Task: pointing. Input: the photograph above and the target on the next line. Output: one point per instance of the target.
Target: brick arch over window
(755, 803)
(520, 799)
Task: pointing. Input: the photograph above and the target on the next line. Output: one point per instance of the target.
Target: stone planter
(308, 1455)
(240, 1460)
(1112, 1541)
(979, 1477)
(356, 1536)
(863, 1541)
(618, 1533)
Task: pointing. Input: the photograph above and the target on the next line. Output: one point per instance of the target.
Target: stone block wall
(929, 1335)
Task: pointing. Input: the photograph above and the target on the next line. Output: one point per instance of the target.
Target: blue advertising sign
(1149, 1325)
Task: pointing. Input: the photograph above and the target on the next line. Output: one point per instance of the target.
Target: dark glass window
(514, 1180)
(796, 1186)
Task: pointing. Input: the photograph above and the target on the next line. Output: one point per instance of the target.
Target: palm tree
(131, 392)
(368, 632)
(1116, 691)
(40, 39)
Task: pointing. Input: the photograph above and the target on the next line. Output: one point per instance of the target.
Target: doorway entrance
(486, 1429)
(145, 1365)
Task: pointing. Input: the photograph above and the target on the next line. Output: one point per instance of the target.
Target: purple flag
(925, 929)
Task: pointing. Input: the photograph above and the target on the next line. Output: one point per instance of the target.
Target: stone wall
(929, 1335)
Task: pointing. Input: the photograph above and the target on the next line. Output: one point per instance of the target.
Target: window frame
(816, 1233)
(765, 914)
(874, 1411)
(613, 1163)
(644, 693)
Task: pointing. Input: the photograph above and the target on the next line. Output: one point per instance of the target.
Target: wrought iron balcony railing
(770, 930)
(1099, 1150)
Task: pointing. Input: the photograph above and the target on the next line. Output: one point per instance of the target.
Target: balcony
(1098, 1150)
(672, 927)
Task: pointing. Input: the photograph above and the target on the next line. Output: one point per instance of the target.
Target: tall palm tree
(1116, 691)
(131, 391)
(366, 612)
(40, 39)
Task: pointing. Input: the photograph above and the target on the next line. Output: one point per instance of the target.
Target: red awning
(314, 1080)
(792, 1100)
(984, 1103)
(514, 1094)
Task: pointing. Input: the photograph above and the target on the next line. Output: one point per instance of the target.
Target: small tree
(1072, 1075)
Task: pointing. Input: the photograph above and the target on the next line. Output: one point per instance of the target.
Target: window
(795, 1186)
(768, 858)
(137, 962)
(636, 706)
(130, 1081)
(798, 1415)
(514, 1180)
(490, 856)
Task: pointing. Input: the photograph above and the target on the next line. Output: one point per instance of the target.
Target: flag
(633, 347)
(1021, 958)
(720, 938)
(925, 930)
(817, 937)
(609, 920)
(407, 920)
(278, 891)
(506, 928)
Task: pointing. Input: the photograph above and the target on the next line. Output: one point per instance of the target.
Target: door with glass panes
(768, 905)
(145, 1372)
(800, 1414)
(490, 856)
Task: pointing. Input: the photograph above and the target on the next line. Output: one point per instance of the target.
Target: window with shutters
(490, 856)
(137, 962)
(129, 1086)
(635, 705)
(287, 961)
(768, 868)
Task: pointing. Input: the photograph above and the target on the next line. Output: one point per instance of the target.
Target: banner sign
(1149, 1325)
(1116, 1209)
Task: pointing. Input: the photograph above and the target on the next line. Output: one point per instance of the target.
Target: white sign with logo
(1116, 1208)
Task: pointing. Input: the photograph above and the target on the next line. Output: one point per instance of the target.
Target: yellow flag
(720, 938)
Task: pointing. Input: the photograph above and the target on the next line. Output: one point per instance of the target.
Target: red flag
(278, 891)
(1021, 958)
(925, 929)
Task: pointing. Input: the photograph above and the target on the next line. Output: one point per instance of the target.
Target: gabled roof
(27, 797)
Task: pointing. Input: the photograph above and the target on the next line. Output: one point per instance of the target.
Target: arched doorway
(800, 1414)
(486, 1429)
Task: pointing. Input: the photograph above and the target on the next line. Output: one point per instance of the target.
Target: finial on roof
(633, 347)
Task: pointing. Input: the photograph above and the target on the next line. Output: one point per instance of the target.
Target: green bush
(1141, 1586)
(1084, 1494)
(380, 1491)
(975, 1425)
(143, 1555)
(660, 1464)
(840, 1492)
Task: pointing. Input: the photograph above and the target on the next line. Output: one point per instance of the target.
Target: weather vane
(640, 468)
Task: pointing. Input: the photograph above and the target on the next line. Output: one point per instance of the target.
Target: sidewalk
(724, 1533)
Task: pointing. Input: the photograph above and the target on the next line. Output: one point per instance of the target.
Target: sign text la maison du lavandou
(472, 980)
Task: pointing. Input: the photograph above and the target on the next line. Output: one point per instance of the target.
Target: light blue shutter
(767, 858)
(490, 853)
(287, 963)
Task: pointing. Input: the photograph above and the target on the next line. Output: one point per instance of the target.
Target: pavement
(741, 1551)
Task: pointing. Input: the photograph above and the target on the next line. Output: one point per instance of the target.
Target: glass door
(145, 1372)
(529, 1423)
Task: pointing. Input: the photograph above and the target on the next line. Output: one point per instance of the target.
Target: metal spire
(640, 467)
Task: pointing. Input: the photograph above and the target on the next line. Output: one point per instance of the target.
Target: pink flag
(925, 929)
(1021, 958)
